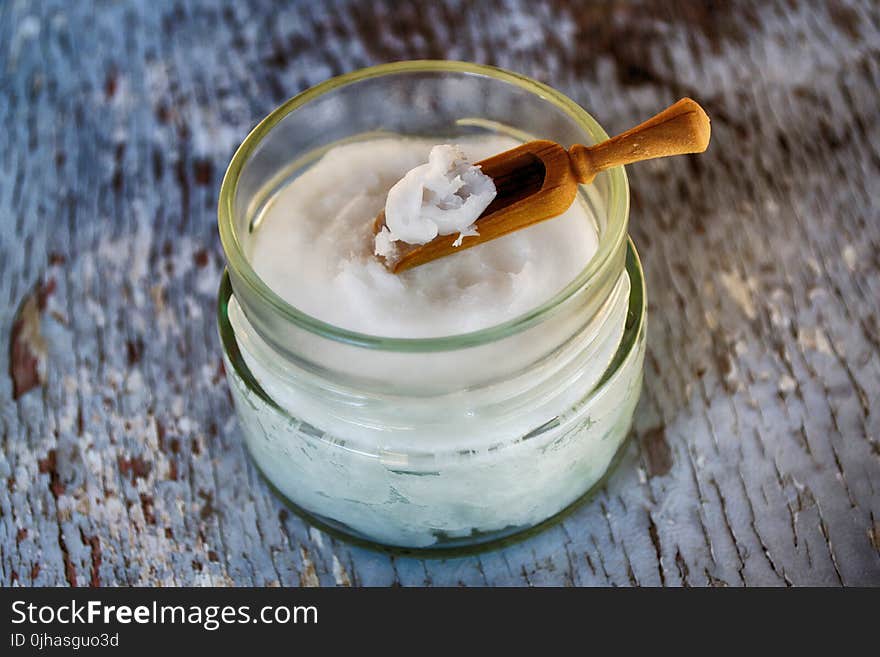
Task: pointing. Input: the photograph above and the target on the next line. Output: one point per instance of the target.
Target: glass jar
(431, 442)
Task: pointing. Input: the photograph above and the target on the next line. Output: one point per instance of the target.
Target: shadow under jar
(441, 442)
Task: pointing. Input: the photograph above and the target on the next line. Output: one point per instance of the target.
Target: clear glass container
(431, 443)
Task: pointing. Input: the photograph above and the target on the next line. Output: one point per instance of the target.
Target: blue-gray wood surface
(756, 446)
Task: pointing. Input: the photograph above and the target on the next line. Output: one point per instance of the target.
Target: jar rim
(610, 242)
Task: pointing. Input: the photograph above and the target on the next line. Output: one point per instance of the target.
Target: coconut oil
(456, 403)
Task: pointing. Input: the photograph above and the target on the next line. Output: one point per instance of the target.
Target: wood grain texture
(756, 458)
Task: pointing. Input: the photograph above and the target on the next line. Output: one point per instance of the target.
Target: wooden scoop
(539, 180)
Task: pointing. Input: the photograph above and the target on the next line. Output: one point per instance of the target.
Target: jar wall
(435, 497)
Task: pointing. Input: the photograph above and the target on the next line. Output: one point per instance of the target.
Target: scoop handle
(680, 128)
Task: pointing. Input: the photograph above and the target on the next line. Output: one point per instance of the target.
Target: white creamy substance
(468, 447)
(314, 245)
(444, 196)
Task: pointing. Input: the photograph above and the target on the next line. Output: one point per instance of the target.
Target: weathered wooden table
(756, 451)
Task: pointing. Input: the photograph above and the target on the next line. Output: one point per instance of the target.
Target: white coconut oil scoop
(449, 204)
